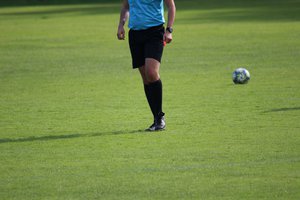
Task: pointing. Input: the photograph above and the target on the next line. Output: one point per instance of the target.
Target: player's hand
(168, 37)
(121, 33)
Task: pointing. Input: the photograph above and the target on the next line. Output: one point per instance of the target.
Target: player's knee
(152, 76)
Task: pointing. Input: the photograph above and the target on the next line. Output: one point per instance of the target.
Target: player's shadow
(69, 136)
(281, 110)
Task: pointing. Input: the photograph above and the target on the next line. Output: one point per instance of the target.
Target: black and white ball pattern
(240, 76)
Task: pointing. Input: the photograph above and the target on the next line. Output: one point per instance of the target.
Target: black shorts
(146, 44)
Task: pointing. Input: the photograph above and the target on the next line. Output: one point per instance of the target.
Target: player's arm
(171, 18)
(124, 14)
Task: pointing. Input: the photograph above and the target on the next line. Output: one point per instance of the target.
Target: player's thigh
(154, 46)
(137, 49)
(152, 69)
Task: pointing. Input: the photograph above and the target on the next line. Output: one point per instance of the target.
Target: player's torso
(145, 13)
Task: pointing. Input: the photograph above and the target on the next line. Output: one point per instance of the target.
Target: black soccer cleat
(159, 124)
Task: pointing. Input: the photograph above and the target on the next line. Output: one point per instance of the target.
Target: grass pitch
(72, 109)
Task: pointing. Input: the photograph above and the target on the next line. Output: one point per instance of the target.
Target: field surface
(72, 111)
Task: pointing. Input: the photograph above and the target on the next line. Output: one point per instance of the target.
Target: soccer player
(147, 37)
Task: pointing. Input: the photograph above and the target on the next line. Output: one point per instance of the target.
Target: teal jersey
(144, 14)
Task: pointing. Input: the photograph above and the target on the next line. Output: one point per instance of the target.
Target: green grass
(72, 109)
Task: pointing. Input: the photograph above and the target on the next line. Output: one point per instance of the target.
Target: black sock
(154, 96)
(149, 95)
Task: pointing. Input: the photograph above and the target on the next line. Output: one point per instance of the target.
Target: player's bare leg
(153, 90)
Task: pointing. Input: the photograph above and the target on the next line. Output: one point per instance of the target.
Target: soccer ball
(240, 76)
